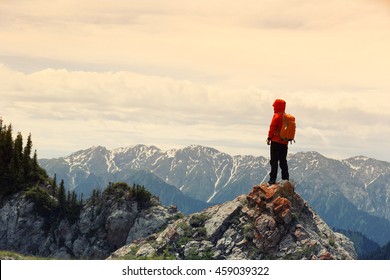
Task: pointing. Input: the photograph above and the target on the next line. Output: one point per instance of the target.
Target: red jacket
(276, 123)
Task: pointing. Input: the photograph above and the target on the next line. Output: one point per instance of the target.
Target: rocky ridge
(101, 228)
(271, 222)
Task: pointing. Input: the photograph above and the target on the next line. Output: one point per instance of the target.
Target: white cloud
(183, 72)
(70, 110)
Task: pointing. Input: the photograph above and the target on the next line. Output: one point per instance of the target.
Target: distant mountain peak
(137, 147)
(360, 158)
(202, 149)
(310, 154)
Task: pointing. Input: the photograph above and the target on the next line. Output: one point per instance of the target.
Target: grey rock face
(20, 226)
(271, 222)
(101, 228)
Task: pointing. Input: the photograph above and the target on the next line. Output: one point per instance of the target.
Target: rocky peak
(271, 222)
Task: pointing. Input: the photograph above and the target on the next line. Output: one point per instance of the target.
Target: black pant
(278, 155)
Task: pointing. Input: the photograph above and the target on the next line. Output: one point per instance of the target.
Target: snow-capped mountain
(338, 189)
(200, 172)
(348, 194)
(363, 181)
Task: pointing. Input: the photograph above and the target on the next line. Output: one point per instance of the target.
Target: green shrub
(142, 196)
(44, 204)
(123, 191)
(117, 190)
(194, 254)
(198, 220)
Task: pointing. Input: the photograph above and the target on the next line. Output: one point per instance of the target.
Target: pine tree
(35, 165)
(6, 155)
(81, 201)
(73, 199)
(61, 198)
(73, 203)
(54, 185)
(27, 158)
(18, 159)
(18, 171)
(18, 148)
(8, 146)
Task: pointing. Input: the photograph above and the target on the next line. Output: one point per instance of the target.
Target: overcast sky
(172, 73)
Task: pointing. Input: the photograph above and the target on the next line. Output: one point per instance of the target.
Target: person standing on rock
(278, 147)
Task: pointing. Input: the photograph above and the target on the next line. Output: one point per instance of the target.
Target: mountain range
(351, 194)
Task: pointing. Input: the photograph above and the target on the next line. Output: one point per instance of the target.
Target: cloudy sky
(172, 73)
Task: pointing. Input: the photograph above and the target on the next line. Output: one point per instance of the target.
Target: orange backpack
(287, 132)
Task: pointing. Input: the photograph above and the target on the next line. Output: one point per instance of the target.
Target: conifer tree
(6, 155)
(61, 196)
(18, 148)
(18, 171)
(54, 185)
(35, 165)
(8, 145)
(73, 203)
(81, 201)
(27, 157)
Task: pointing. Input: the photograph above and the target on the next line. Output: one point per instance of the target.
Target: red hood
(279, 106)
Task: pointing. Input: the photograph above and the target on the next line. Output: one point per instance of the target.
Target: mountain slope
(94, 168)
(382, 253)
(199, 172)
(362, 244)
(339, 194)
(363, 181)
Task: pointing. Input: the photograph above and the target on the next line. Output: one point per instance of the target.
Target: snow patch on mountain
(209, 175)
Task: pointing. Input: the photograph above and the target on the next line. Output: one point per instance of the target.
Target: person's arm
(273, 126)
